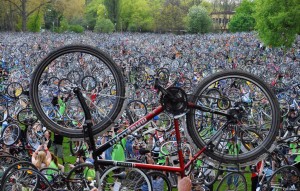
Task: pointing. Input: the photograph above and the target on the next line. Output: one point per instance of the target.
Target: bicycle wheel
(27, 117)
(168, 148)
(14, 89)
(34, 135)
(159, 181)
(13, 167)
(3, 113)
(11, 134)
(75, 146)
(233, 181)
(285, 178)
(88, 83)
(55, 178)
(122, 178)
(135, 109)
(78, 57)
(7, 160)
(164, 123)
(228, 128)
(26, 178)
(205, 173)
(80, 177)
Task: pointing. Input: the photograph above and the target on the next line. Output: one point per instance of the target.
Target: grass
(69, 159)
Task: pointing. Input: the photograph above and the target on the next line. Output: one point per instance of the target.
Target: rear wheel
(227, 129)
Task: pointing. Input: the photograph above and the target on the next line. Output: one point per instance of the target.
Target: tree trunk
(24, 15)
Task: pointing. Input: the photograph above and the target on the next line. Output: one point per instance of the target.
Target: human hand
(185, 184)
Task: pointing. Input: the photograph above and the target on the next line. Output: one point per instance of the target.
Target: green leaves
(199, 20)
(34, 22)
(104, 25)
(243, 20)
(277, 21)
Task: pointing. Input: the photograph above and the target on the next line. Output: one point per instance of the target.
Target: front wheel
(232, 125)
(79, 58)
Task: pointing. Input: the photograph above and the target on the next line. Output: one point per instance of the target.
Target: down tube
(129, 130)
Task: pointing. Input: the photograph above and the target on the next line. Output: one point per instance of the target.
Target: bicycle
(173, 100)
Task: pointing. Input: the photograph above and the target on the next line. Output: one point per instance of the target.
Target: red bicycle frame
(143, 121)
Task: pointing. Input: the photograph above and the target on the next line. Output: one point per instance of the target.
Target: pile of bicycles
(206, 118)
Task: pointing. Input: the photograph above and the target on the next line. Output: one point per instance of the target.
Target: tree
(52, 17)
(91, 13)
(207, 5)
(34, 22)
(136, 15)
(141, 19)
(199, 20)
(243, 20)
(72, 10)
(113, 9)
(24, 11)
(277, 21)
(126, 11)
(104, 25)
(171, 16)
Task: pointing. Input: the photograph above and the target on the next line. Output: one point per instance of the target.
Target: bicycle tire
(34, 136)
(14, 166)
(285, 178)
(12, 92)
(55, 178)
(240, 185)
(11, 134)
(230, 77)
(206, 173)
(103, 60)
(135, 109)
(155, 175)
(168, 148)
(164, 123)
(14, 182)
(74, 150)
(88, 83)
(75, 178)
(7, 160)
(131, 178)
(27, 117)
(3, 112)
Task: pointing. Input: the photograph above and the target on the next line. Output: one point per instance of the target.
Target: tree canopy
(278, 21)
(198, 20)
(243, 20)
